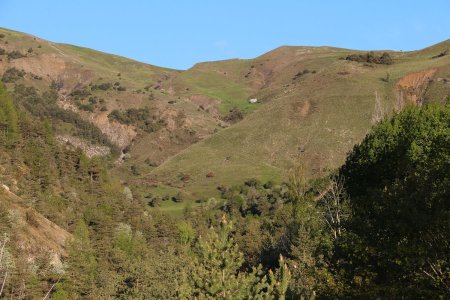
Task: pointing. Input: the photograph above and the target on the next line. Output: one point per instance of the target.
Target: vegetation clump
(102, 86)
(12, 75)
(141, 117)
(302, 73)
(233, 116)
(371, 57)
(442, 54)
(15, 55)
(397, 179)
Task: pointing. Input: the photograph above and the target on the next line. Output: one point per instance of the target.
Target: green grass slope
(314, 119)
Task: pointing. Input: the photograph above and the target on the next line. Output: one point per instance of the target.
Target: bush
(370, 57)
(233, 116)
(178, 198)
(12, 75)
(137, 116)
(2, 51)
(57, 84)
(15, 54)
(86, 107)
(103, 86)
(80, 93)
(443, 53)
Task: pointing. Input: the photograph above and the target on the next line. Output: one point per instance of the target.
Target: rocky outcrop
(89, 149)
(120, 135)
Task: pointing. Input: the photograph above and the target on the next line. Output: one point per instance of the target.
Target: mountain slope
(312, 119)
(190, 131)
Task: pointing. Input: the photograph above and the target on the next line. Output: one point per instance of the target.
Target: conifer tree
(82, 264)
(216, 272)
(9, 126)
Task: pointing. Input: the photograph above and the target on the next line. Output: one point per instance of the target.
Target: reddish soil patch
(411, 87)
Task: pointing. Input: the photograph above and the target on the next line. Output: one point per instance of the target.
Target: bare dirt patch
(411, 87)
(206, 103)
(302, 108)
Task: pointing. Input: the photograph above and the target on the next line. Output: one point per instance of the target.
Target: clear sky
(178, 34)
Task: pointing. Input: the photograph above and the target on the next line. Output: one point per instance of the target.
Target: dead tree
(378, 113)
(335, 206)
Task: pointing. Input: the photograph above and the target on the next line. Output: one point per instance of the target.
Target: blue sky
(178, 34)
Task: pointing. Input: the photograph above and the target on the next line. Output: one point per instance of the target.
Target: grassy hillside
(313, 106)
(312, 119)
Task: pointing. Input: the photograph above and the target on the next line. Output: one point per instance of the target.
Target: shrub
(178, 198)
(443, 53)
(80, 93)
(57, 84)
(15, 54)
(138, 116)
(102, 86)
(370, 57)
(233, 116)
(86, 107)
(12, 75)
(2, 51)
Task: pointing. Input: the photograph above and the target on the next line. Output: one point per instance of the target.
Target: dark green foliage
(131, 115)
(80, 94)
(233, 116)
(442, 54)
(179, 197)
(85, 106)
(82, 264)
(9, 126)
(44, 106)
(141, 117)
(102, 86)
(12, 75)
(215, 272)
(371, 57)
(398, 179)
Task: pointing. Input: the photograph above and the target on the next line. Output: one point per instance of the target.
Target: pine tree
(82, 264)
(216, 272)
(9, 126)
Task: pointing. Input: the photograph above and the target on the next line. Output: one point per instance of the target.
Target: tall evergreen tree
(82, 264)
(9, 126)
(216, 272)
